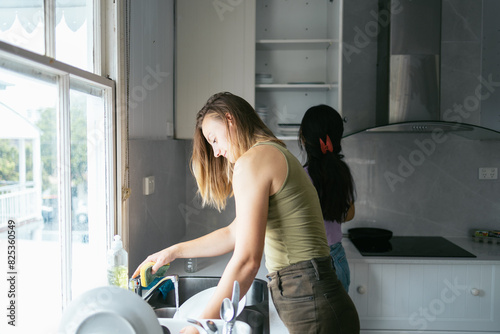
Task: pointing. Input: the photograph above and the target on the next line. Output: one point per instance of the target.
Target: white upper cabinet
(215, 51)
(297, 60)
(282, 56)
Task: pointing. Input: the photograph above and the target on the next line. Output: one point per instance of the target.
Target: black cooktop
(412, 247)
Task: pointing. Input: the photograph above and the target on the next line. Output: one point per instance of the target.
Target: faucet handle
(134, 284)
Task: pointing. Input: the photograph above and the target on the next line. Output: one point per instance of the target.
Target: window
(22, 24)
(57, 164)
(66, 33)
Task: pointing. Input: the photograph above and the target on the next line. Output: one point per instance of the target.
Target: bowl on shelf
(288, 129)
(262, 111)
(263, 78)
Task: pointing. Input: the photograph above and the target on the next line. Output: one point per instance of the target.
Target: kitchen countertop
(486, 253)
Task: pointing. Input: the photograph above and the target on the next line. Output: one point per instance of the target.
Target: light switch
(148, 185)
(170, 129)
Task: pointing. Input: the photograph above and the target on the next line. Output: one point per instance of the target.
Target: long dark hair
(329, 173)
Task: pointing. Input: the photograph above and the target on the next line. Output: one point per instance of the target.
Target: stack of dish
(262, 112)
(263, 78)
(289, 129)
(109, 309)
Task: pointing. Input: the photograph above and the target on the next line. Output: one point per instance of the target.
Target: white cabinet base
(419, 332)
(398, 298)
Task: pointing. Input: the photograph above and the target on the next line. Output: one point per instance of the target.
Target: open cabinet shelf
(297, 59)
(280, 137)
(296, 86)
(294, 44)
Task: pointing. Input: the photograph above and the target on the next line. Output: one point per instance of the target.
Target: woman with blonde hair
(277, 213)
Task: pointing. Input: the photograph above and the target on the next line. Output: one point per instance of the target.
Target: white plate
(194, 306)
(103, 321)
(109, 309)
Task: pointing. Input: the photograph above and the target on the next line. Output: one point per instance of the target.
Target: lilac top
(333, 229)
(333, 232)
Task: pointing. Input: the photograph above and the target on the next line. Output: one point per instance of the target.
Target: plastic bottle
(117, 259)
(191, 265)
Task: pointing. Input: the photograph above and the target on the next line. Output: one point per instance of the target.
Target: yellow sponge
(147, 277)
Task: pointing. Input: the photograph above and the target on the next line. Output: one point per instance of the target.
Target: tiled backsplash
(414, 185)
(405, 186)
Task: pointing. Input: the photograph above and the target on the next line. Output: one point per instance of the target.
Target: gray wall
(359, 71)
(470, 47)
(151, 80)
(461, 37)
(157, 220)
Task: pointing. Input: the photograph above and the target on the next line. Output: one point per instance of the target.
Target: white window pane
(74, 33)
(22, 24)
(28, 195)
(88, 189)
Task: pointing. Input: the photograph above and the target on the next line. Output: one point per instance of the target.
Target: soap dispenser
(117, 259)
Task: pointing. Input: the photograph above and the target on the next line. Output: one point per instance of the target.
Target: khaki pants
(309, 298)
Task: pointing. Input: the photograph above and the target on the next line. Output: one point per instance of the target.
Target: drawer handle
(475, 292)
(361, 289)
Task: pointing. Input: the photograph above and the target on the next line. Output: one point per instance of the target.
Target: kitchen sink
(255, 313)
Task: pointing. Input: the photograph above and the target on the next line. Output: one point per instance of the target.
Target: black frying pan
(370, 234)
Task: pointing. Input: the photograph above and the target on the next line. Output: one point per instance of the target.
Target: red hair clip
(326, 147)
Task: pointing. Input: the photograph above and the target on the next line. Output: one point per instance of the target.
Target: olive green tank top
(295, 229)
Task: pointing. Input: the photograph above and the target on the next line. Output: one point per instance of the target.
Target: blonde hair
(214, 175)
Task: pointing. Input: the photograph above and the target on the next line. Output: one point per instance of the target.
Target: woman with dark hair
(277, 213)
(320, 134)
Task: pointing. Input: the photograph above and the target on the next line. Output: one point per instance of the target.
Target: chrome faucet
(135, 285)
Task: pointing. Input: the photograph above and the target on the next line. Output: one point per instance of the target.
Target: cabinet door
(215, 51)
(426, 297)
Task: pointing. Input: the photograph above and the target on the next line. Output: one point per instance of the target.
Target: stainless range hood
(468, 131)
(408, 71)
(409, 62)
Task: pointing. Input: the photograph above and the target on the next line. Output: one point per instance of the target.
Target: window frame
(36, 65)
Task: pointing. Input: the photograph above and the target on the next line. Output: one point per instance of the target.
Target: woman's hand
(160, 258)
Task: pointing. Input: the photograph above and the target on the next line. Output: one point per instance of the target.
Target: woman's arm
(350, 213)
(216, 243)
